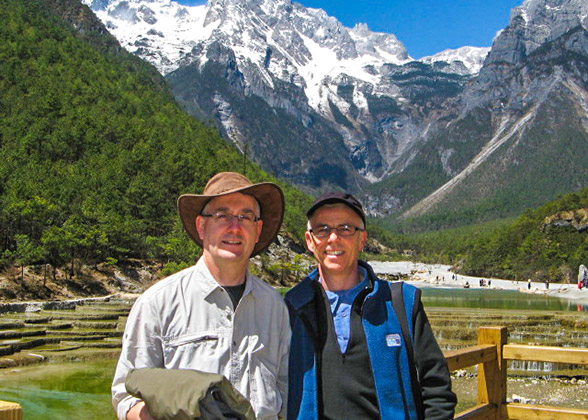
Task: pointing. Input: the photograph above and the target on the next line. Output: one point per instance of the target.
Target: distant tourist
(467, 285)
(215, 316)
(529, 284)
(582, 276)
(362, 348)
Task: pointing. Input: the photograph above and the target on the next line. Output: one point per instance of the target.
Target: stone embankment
(21, 307)
(74, 330)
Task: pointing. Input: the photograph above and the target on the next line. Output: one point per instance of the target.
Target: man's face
(336, 255)
(229, 241)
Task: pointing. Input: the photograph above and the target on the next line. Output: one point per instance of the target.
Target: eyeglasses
(324, 231)
(227, 218)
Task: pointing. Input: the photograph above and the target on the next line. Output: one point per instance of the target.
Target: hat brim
(271, 202)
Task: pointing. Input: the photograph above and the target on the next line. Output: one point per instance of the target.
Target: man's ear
(309, 242)
(363, 240)
(199, 225)
(259, 229)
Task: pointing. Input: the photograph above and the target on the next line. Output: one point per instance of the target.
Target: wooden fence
(10, 411)
(490, 355)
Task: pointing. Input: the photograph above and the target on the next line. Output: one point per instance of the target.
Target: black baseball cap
(337, 197)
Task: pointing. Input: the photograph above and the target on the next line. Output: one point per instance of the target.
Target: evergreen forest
(546, 243)
(94, 151)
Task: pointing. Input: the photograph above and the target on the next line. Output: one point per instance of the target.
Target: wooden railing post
(10, 411)
(492, 375)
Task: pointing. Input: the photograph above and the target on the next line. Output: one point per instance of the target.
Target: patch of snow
(471, 57)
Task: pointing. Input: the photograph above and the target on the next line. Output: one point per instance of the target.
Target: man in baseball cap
(362, 348)
(215, 316)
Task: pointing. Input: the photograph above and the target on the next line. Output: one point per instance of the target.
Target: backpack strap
(400, 310)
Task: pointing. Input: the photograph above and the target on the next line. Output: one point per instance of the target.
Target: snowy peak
(464, 60)
(162, 31)
(272, 40)
(159, 31)
(379, 44)
(300, 60)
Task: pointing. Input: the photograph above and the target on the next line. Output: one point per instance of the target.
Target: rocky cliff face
(577, 219)
(526, 110)
(345, 88)
(325, 106)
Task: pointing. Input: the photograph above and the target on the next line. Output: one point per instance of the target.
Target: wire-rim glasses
(324, 231)
(227, 218)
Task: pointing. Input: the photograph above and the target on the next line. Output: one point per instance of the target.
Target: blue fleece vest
(385, 342)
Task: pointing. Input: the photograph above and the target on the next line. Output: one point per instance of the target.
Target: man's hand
(139, 412)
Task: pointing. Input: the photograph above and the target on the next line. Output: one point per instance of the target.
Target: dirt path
(439, 275)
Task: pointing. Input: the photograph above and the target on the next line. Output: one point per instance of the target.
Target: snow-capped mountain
(323, 106)
(464, 60)
(279, 42)
(161, 32)
(285, 40)
(527, 108)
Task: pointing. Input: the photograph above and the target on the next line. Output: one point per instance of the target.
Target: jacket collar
(304, 293)
(306, 290)
(372, 278)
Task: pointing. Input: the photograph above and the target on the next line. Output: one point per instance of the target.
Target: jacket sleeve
(284, 356)
(141, 348)
(438, 399)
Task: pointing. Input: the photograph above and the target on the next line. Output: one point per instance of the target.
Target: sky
(425, 27)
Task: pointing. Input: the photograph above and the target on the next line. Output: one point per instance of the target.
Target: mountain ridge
(95, 152)
(352, 110)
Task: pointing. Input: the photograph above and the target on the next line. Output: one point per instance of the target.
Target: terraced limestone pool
(58, 364)
(456, 316)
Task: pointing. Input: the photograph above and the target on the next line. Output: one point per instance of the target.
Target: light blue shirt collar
(341, 302)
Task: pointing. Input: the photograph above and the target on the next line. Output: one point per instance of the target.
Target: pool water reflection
(496, 299)
(61, 391)
(81, 390)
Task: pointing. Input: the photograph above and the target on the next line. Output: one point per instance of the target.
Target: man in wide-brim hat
(216, 316)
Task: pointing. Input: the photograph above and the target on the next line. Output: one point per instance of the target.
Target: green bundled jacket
(184, 394)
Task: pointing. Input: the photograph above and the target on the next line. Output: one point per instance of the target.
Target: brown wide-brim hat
(268, 194)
